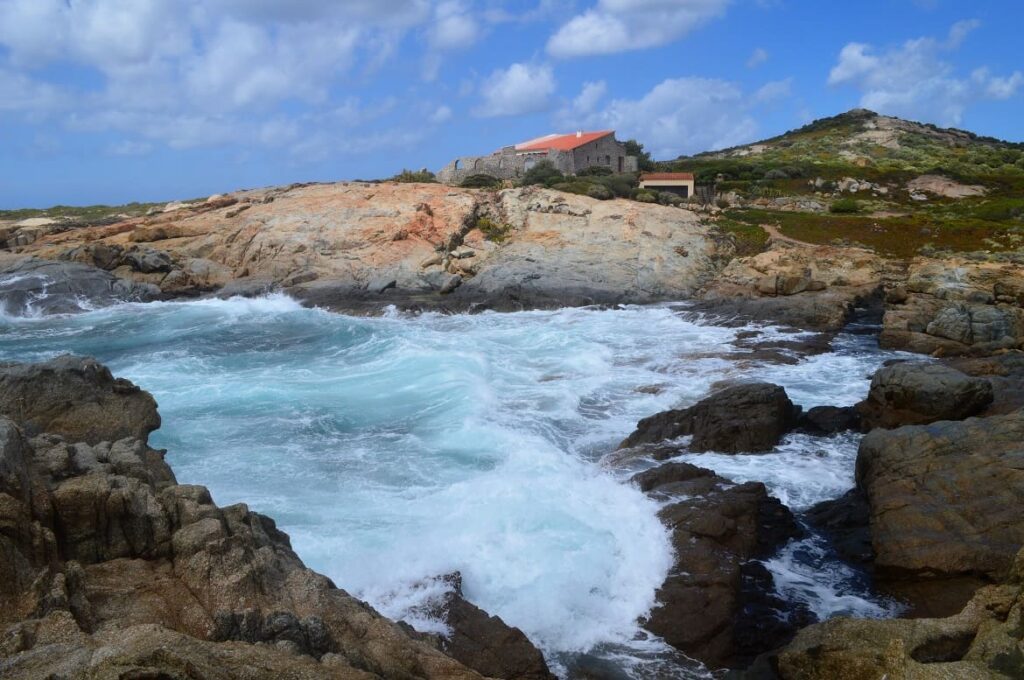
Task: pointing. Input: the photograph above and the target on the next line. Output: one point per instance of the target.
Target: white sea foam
(400, 448)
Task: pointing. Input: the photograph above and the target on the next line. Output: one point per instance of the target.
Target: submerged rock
(913, 393)
(713, 606)
(109, 568)
(52, 287)
(747, 417)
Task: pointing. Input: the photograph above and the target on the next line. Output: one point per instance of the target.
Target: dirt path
(776, 235)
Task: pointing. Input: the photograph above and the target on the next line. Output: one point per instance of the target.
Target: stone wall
(511, 165)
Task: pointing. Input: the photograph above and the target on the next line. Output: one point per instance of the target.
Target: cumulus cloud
(915, 80)
(517, 90)
(619, 25)
(678, 116)
(453, 28)
(757, 57)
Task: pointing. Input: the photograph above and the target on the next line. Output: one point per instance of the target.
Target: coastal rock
(331, 244)
(111, 569)
(846, 521)
(958, 307)
(945, 498)
(795, 284)
(747, 417)
(706, 608)
(828, 420)
(29, 284)
(76, 398)
(914, 393)
(485, 643)
(1004, 372)
(985, 640)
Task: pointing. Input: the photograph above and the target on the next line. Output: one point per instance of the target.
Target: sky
(111, 101)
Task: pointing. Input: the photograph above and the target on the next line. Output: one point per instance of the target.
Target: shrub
(409, 176)
(543, 172)
(646, 197)
(778, 173)
(599, 191)
(668, 198)
(481, 181)
(493, 231)
(594, 171)
(722, 203)
(844, 206)
(644, 160)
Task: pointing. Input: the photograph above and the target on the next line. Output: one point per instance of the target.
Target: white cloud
(453, 28)
(441, 115)
(589, 97)
(517, 90)
(678, 116)
(613, 26)
(914, 79)
(757, 57)
(774, 91)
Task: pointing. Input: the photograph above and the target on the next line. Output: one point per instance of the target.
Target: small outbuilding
(678, 183)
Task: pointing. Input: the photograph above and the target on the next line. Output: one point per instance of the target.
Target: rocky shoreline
(114, 568)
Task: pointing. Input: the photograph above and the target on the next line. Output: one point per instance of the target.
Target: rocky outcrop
(747, 417)
(914, 393)
(985, 640)
(33, 285)
(829, 420)
(796, 284)
(715, 605)
(109, 568)
(957, 306)
(945, 498)
(360, 246)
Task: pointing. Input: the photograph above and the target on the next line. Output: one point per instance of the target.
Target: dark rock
(485, 643)
(76, 398)
(912, 393)
(827, 420)
(717, 527)
(451, 284)
(747, 417)
(846, 522)
(946, 498)
(148, 261)
(54, 287)
(1005, 372)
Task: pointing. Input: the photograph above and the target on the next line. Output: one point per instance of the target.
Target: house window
(607, 160)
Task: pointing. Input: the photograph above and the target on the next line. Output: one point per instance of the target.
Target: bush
(594, 171)
(643, 158)
(481, 181)
(646, 197)
(776, 174)
(493, 231)
(844, 206)
(410, 176)
(599, 191)
(543, 172)
(668, 198)
(722, 203)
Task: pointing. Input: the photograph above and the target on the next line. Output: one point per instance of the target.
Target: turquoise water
(397, 449)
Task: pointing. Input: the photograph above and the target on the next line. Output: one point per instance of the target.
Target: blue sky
(120, 100)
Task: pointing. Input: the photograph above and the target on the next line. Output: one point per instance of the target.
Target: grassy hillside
(795, 179)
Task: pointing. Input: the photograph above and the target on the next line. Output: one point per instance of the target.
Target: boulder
(846, 522)
(485, 643)
(828, 420)
(945, 498)
(76, 398)
(747, 417)
(32, 285)
(914, 393)
(715, 607)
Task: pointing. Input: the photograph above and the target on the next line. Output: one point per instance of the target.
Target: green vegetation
(481, 181)
(82, 215)
(543, 172)
(644, 160)
(492, 230)
(411, 176)
(844, 206)
(750, 239)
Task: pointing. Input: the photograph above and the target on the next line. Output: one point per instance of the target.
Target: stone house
(570, 153)
(678, 183)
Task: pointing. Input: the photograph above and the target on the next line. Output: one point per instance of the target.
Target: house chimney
(579, 133)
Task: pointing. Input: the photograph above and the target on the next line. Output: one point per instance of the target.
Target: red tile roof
(562, 142)
(684, 176)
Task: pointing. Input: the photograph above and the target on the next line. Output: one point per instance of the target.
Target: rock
(451, 284)
(747, 417)
(28, 284)
(1005, 372)
(913, 393)
(945, 498)
(148, 261)
(985, 640)
(828, 420)
(381, 284)
(706, 606)
(846, 523)
(486, 643)
(109, 568)
(76, 398)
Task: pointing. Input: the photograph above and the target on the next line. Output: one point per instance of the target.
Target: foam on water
(397, 449)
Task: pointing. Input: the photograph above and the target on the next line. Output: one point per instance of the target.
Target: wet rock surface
(111, 569)
(714, 606)
(746, 417)
(33, 285)
(914, 393)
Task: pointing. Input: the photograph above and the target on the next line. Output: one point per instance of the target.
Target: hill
(897, 186)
